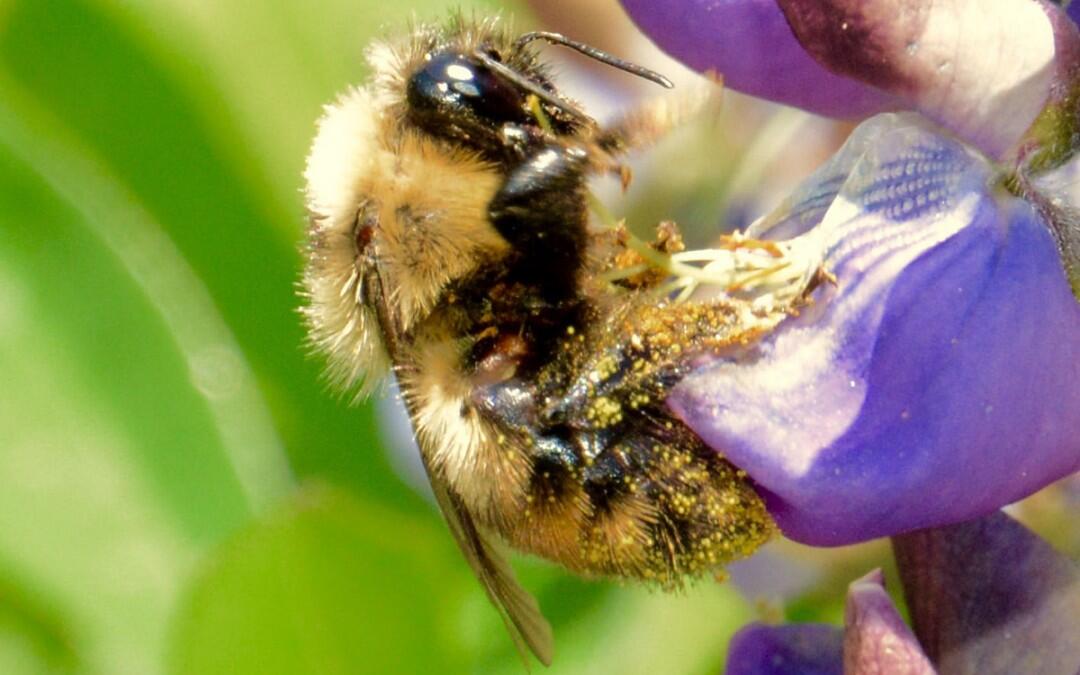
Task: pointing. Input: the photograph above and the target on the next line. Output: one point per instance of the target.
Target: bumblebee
(449, 240)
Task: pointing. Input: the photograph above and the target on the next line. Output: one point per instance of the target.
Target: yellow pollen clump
(604, 412)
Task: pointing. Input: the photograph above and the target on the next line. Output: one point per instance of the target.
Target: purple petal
(988, 596)
(751, 45)
(936, 382)
(793, 649)
(984, 74)
(876, 639)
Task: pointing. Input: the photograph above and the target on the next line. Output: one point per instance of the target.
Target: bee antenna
(594, 53)
(533, 88)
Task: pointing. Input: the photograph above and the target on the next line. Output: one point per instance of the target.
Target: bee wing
(518, 608)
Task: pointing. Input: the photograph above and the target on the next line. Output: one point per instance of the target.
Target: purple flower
(971, 614)
(986, 73)
(937, 380)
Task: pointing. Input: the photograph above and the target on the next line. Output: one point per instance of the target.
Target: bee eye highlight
(456, 84)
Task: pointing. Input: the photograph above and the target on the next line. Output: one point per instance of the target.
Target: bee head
(469, 83)
(477, 84)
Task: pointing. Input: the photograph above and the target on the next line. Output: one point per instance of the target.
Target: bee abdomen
(688, 510)
(657, 505)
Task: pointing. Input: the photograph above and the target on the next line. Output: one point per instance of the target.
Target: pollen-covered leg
(618, 540)
(709, 515)
(557, 509)
(665, 507)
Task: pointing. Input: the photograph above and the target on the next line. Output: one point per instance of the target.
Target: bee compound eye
(455, 83)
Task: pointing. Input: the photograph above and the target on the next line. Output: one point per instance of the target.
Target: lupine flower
(936, 380)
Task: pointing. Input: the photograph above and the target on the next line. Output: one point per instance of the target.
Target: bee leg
(540, 210)
(654, 119)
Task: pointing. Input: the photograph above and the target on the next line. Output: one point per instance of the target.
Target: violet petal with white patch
(984, 73)
(750, 44)
(936, 381)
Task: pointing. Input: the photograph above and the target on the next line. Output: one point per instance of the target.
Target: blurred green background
(179, 491)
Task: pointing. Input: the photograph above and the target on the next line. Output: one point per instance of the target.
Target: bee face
(469, 83)
(449, 239)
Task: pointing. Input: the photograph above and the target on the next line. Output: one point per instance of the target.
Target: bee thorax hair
(395, 203)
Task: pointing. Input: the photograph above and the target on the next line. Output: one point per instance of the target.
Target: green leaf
(326, 585)
(33, 638)
(124, 105)
(123, 454)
